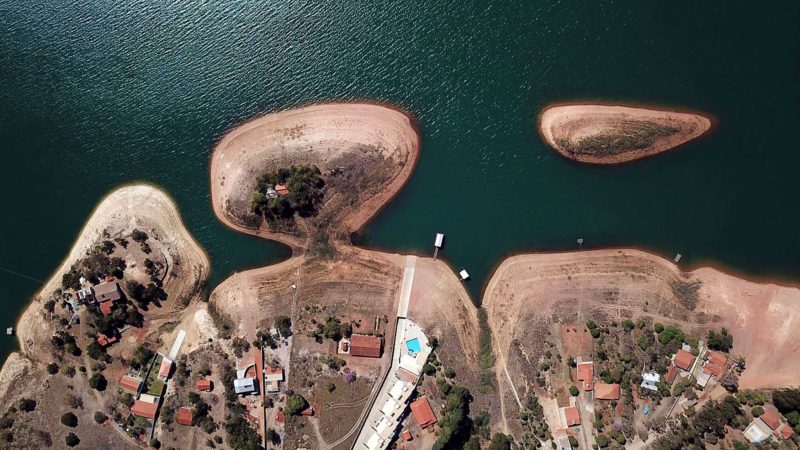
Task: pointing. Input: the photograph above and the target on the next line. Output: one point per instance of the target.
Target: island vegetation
(282, 193)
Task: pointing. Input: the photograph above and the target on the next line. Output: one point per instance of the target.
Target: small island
(605, 134)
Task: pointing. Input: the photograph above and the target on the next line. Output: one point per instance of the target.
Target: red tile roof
(280, 417)
(603, 391)
(105, 307)
(166, 368)
(104, 340)
(204, 384)
(586, 374)
(717, 358)
(423, 413)
(108, 290)
(362, 345)
(281, 189)
(308, 411)
(130, 384)
(184, 416)
(572, 415)
(144, 409)
(251, 418)
(713, 369)
(407, 435)
(672, 372)
(684, 359)
(786, 431)
(771, 417)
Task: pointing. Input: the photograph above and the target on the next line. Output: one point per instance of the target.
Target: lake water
(98, 94)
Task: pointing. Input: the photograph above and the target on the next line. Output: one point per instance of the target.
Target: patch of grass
(687, 292)
(628, 135)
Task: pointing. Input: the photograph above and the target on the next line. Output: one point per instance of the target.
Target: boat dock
(437, 244)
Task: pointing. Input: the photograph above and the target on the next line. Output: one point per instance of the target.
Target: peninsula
(605, 134)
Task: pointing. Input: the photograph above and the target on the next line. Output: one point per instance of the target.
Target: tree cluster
(305, 185)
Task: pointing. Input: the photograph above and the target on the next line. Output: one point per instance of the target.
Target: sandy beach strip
(561, 124)
(316, 134)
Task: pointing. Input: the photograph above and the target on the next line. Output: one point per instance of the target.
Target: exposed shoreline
(744, 307)
(565, 127)
(125, 208)
(294, 136)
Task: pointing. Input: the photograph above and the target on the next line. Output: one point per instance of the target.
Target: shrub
(295, 404)
(757, 411)
(52, 368)
(573, 391)
(628, 324)
(658, 328)
(155, 443)
(721, 341)
(69, 419)
(449, 372)
(284, 326)
(98, 381)
(27, 404)
(72, 440)
(99, 417)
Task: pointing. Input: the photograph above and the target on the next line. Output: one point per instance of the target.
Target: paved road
(405, 290)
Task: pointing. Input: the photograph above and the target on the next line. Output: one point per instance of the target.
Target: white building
(649, 380)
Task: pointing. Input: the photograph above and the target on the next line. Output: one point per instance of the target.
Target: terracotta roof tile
(423, 413)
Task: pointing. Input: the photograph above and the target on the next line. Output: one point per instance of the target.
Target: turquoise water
(413, 346)
(98, 94)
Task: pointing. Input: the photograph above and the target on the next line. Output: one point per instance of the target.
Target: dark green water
(97, 94)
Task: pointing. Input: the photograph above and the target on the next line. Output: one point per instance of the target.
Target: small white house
(463, 274)
(244, 386)
(649, 380)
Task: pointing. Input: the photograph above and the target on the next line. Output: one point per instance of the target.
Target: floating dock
(463, 274)
(437, 244)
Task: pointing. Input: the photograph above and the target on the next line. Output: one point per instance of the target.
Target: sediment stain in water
(93, 96)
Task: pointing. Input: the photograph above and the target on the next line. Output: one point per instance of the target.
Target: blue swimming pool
(413, 346)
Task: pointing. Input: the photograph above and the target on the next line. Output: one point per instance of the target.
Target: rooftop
(771, 417)
(603, 391)
(144, 409)
(363, 345)
(107, 291)
(572, 416)
(204, 384)
(130, 384)
(423, 413)
(684, 359)
(184, 416)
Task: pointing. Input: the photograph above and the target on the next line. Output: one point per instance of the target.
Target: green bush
(72, 440)
(295, 404)
(721, 341)
(757, 411)
(52, 368)
(27, 404)
(449, 372)
(658, 328)
(574, 391)
(69, 419)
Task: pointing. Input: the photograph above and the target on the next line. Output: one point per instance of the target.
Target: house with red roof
(683, 360)
(281, 189)
(603, 391)
(672, 372)
(363, 345)
(423, 413)
(130, 384)
(105, 341)
(204, 385)
(184, 416)
(586, 375)
(144, 409)
(105, 307)
(572, 416)
(165, 369)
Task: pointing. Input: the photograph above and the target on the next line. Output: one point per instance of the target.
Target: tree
(69, 419)
(449, 372)
(786, 400)
(52, 368)
(284, 326)
(273, 437)
(295, 404)
(757, 411)
(72, 440)
(27, 404)
(155, 443)
(500, 442)
(99, 417)
(602, 441)
(139, 236)
(721, 341)
(573, 391)
(628, 325)
(241, 435)
(658, 328)
(98, 381)
(331, 329)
